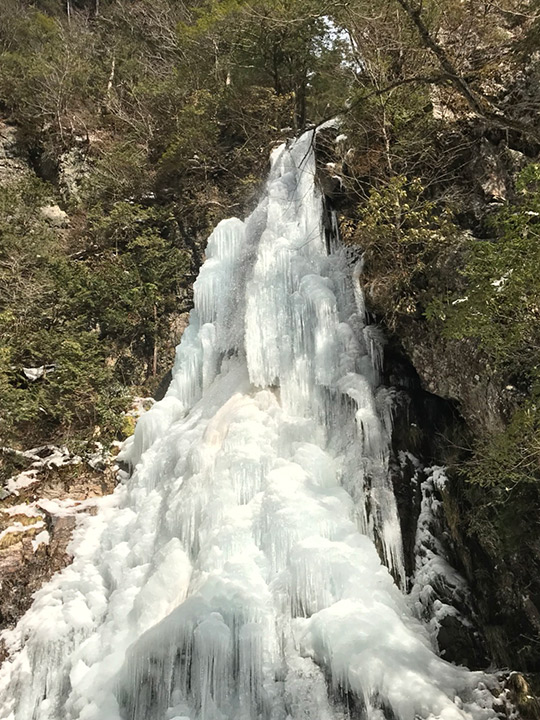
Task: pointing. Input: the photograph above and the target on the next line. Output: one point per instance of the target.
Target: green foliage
(84, 314)
(47, 77)
(120, 172)
(501, 305)
(193, 144)
(403, 236)
(502, 485)
(78, 391)
(512, 456)
(394, 133)
(134, 281)
(503, 481)
(498, 308)
(283, 45)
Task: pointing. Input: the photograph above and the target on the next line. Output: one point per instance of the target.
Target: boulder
(55, 216)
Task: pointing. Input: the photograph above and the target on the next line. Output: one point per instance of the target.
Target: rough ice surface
(437, 589)
(237, 574)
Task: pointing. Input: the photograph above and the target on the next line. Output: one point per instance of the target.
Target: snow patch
(42, 538)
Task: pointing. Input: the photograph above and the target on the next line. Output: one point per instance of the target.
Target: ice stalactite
(237, 573)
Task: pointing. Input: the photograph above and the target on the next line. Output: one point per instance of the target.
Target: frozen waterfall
(250, 568)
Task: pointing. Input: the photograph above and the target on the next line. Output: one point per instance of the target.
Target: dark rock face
(502, 621)
(450, 397)
(457, 371)
(425, 424)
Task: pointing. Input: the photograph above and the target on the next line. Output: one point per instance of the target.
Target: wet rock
(36, 526)
(459, 643)
(457, 370)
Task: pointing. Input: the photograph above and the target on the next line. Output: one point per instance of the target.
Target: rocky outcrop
(38, 513)
(13, 163)
(458, 371)
(497, 622)
(55, 216)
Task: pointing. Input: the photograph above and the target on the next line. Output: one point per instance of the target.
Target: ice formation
(437, 590)
(237, 574)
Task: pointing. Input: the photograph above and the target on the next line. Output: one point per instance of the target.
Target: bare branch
(479, 104)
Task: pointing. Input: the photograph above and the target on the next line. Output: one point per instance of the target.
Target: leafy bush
(512, 456)
(500, 307)
(500, 310)
(502, 485)
(405, 237)
(81, 312)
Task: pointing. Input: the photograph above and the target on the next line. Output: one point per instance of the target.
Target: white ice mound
(235, 575)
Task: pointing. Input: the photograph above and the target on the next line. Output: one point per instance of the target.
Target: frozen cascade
(235, 575)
